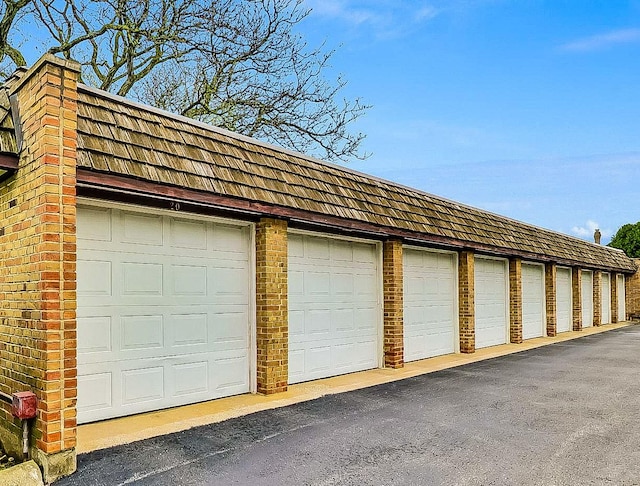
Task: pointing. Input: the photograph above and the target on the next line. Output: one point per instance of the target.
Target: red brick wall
(576, 288)
(392, 285)
(272, 310)
(632, 291)
(38, 251)
(597, 298)
(550, 272)
(466, 301)
(515, 300)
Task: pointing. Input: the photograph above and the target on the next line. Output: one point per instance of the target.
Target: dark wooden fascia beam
(9, 161)
(8, 165)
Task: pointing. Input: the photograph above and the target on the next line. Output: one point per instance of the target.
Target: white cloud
(342, 10)
(427, 12)
(586, 232)
(383, 17)
(602, 41)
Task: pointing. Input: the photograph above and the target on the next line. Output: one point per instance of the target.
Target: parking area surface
(567, 413)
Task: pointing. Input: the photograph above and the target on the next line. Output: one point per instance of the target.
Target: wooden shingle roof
(120, 137)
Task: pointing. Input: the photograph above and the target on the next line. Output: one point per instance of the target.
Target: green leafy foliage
(627, 238)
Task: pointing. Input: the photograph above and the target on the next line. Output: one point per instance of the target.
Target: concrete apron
(108, 433)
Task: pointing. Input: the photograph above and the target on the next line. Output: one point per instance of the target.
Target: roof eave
(116, 186)
(8, 165)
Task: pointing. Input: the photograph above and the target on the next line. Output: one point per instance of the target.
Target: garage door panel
(189, 280)
(587, 299)
(227, 331)
(97, 391)
(142, 279)
(190, 329)
(317, 361)
(316, 249)
(190, 378)
(429, 303)
(224, 241)
(365, 255)
(342, 251)
(296, 324)
(622, 312)
(229, 282)
(533, 301)
(318, 323)
(491, 302)
(343, 321)
(296, 284)
(95, 276)
(143, 385)
(142, 229)
(363, 316)
(228, 374)
(165, 315)
(296, 364)
(415, 288)
(564, 307)
(317, 284)
(335, 307)
(140, 333)
(605, 298)
(191, 235)
(94, 334)
(342, 284)
(95, 224)
(366, 284)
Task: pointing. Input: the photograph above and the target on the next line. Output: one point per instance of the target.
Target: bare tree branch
(238, 64)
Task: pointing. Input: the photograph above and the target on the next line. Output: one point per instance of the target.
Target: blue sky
(527, 108)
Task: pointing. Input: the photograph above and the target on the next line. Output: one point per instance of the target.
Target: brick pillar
(576, 288)
(392, 286)
(515, 300)
(38, 271)
(632, 292)
(272, 314)
(550, 293)
(466, 302)
(613, 286)
(597, 298)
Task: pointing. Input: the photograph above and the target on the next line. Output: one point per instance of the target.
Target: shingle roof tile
(128, 139)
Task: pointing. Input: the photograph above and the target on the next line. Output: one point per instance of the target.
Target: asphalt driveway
(567, 413)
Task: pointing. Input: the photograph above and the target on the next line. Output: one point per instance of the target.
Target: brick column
(597, 298)
(272, 310)
(613, 286)
(550, 293)
(466, 302)
(392, 287)
(632, 292)
(576, 288)
(515, 300)
(38, 271)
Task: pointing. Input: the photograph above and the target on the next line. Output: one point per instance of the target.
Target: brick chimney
(596, 236)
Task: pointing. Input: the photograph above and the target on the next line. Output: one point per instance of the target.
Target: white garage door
(533, 301)
(163, 311)
(605, 298)
(491, 302)
(564, 307)
(622, 310)
(587, 298)
(429, 303)
(334, 307)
